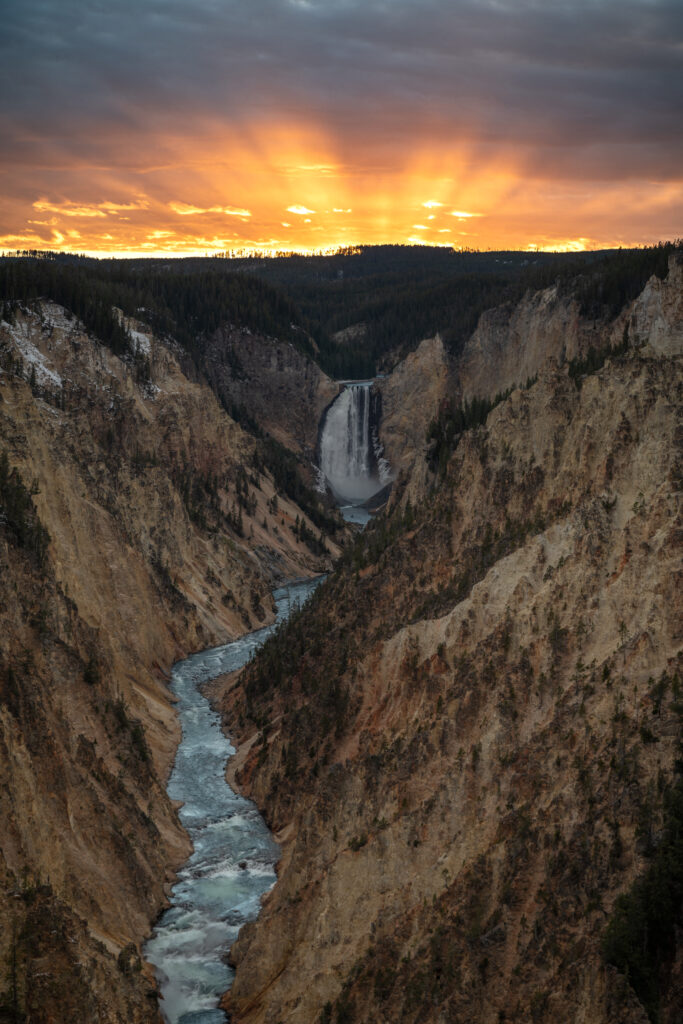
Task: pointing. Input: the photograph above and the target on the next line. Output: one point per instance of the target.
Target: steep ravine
(465, 752)
(464, 745)
(163, 539)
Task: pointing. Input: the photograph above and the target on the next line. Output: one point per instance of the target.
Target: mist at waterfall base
(214, 895)
(351, 461)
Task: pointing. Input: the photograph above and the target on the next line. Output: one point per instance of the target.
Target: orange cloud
(496, 194)
(68, 209)
(71, 209)
(185, 210)
(393, 121)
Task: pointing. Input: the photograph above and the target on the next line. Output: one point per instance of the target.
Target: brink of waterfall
(351, 460)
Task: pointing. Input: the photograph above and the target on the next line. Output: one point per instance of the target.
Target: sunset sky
(196, 126)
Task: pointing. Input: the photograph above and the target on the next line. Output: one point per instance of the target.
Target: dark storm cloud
(597, 84)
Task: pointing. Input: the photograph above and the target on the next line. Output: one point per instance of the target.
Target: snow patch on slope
(31, 355)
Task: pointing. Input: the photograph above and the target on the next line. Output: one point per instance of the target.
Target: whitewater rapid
(233, 861)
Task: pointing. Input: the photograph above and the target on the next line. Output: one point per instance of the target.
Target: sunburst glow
(308, 127)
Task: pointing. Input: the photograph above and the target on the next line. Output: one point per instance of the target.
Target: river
(355, 514)
(234, 855)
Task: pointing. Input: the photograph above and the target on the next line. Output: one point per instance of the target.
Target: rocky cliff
(656, 317)
(513, 343)
(134, 529)
(281, 388)
(467, 741)
(411, 398)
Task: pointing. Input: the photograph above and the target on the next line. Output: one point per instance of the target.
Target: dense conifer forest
(186, 307)
(402, 294)
(19, 521)
(395, 295)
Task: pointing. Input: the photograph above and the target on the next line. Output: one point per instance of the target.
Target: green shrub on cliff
(18, 513)
(640, 940)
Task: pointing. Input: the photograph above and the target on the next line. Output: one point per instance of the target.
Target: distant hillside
(393, 296)
(402, 294)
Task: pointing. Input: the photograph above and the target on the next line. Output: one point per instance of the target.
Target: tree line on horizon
(395, 295)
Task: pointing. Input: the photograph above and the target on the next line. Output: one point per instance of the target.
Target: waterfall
(350, 456)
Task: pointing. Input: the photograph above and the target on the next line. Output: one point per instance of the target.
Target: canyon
(464, 745)
(463, 791)
(163, 539)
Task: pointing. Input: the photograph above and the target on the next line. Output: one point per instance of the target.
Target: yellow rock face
(133, 476)
(453, 851)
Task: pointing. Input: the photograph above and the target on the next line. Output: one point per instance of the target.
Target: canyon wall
(281, 388)
(412, 395)
(513, 343)
(163, 539)
(463, 789)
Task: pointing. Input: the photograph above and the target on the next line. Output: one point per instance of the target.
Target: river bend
(234, 855)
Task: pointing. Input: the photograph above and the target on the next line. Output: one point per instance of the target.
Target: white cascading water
(348, 451)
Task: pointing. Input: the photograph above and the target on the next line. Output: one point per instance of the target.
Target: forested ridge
(398, 294)
(402, 294)
(185, 307)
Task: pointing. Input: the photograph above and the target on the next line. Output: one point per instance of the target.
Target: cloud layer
(208, 111)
